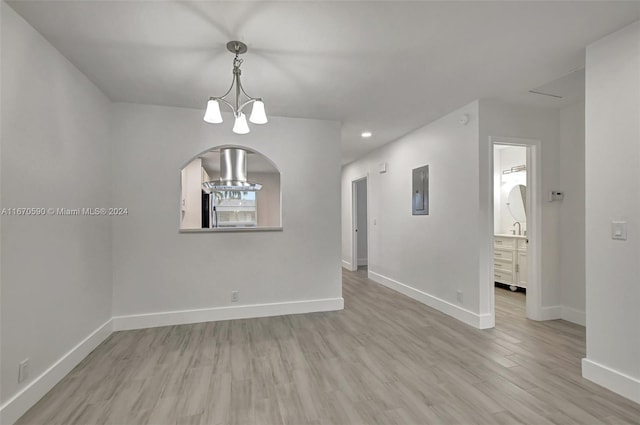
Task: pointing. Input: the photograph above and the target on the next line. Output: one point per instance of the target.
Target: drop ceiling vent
(557, 96)
(233, 173)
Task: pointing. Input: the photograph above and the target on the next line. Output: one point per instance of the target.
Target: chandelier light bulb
(258, 115)
(212, 114)
(241, 126)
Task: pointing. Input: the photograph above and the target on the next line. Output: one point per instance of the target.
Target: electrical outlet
(23, 370)
(235, 296)
(459, 296)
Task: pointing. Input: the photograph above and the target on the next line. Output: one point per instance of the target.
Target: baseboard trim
(22, 401)
(551, 313)
(563, 312)
(346, 264)
(487, 321)
(480, 321)
(618, 382)
(183, 317)
(573, 315)
(362, 262)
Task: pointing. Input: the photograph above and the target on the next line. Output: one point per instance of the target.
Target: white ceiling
(387, 67)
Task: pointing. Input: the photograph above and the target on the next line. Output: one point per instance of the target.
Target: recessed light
(366, 134)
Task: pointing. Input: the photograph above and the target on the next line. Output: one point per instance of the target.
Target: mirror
(516, 202)
(230, 188)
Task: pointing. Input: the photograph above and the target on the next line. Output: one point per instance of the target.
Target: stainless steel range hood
(233, 172)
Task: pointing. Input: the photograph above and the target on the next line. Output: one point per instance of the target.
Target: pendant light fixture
(258, 115)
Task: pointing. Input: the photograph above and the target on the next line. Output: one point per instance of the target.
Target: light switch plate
(555, 195)
(619, 230)
(23, 370)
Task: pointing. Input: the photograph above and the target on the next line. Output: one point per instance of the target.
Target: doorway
(360, 234)
(515, 265)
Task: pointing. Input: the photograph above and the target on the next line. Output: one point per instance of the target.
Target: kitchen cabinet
(510, 260)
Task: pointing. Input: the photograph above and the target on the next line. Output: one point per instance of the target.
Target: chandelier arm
(227, 103)
(251, 100)
(245, 93)
(233, 80)
(238, 87)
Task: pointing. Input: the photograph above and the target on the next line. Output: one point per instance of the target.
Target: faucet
(519, 228)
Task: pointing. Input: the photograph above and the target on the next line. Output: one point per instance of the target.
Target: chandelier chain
(237, 62)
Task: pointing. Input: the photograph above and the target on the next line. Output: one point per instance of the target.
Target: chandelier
(258, 115)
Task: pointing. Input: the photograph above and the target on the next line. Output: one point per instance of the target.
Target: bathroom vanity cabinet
(510, 260)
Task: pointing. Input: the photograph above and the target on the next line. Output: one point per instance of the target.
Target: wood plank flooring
(385, 359)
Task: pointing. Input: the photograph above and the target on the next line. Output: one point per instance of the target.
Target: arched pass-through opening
(230, 188)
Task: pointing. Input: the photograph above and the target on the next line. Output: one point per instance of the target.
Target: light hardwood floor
(385, 359)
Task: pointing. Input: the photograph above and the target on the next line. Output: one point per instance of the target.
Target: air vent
(568, 88)
(545, 94)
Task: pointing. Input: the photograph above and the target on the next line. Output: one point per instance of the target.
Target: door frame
(354, 220)
(533, 211)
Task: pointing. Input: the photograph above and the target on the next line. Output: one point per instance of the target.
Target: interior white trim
(563, 312)
(22, 401)
(480, 321)
(616, 381)
(362, 262)
(573, 315)
(182, 317)
(553, 312)
(346, 264)
(487, 321)
(534, 308)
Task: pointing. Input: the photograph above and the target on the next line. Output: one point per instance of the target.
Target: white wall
(428, 257)
(361, 199)
(613, 194)
(56, 271)
(572, 211)
(158, 269)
